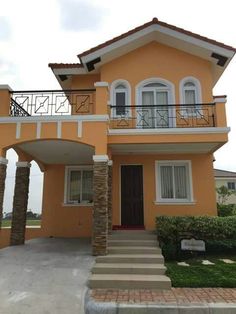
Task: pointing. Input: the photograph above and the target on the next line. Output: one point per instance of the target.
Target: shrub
(226, 210)
(171, 230)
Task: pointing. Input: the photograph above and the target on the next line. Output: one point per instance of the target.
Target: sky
(34, 33)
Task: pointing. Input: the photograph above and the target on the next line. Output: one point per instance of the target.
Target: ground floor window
(173, 181)
(79, 185)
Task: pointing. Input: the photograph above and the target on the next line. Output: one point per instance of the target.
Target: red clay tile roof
(153, 22)
(65, 65)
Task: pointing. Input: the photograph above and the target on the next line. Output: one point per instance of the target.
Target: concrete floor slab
(45, 276)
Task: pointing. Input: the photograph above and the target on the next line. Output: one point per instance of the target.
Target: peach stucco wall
(59, 220)
(157, 60)
(30, 233)
(76, 221)
(203, 187)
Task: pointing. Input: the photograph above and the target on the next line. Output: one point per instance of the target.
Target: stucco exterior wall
(157, 60)
(30, 233)
(202, 180)
(58, 219)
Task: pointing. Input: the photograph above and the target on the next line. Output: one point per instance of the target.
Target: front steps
(134, 261)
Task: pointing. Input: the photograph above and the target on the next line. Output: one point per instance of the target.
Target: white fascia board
(84, 118)
(184, 131)
(161, 29)
(195, 41)
(69, 71)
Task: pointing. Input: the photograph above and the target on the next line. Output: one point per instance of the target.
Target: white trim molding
(126, 90)
(100, 158)
(66, 118)
(174, 203)
(3, 161)
(189, 182)
(68, 170)
(197, 88)
(212, 130)
(23, 164)
(101, 84)
(220, 100)
(5, 86)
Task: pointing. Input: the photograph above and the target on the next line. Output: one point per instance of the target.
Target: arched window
(190, 91)
(153, 99)
(190, 97)
(120, 98)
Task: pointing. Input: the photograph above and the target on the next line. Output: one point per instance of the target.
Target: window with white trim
(173, 181)
(120, 99)
(190, 96)
(231, 186)
(190, 93)
(79, 185)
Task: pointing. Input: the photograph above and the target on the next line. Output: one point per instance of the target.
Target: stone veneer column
(100, 201)
(109, 196)
(3, 170)
(20, 203)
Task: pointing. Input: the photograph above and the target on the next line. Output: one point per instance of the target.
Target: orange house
(130, 136)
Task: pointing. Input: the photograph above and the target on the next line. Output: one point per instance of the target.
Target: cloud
(80, 15)
(5, 28)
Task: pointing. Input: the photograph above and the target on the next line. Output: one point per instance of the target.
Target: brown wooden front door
(132, 195)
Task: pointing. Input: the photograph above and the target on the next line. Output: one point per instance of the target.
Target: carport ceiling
(59, 152)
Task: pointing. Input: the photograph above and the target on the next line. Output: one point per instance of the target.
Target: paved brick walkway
(173, 296)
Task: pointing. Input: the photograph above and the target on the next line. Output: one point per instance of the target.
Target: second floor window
(120, 99)
(190, 93)
(190, 97)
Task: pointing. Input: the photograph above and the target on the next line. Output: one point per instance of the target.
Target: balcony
(163, 116)
(52, 103)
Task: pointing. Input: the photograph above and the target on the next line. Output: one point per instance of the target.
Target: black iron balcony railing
(162, 116)
(52, 102)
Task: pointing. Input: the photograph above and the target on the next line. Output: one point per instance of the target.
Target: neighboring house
(228, 179)
(130, 136)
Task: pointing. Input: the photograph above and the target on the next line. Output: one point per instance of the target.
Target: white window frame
(198, 95)
(188, 165)
(68, 170)
(169, 88)
(114, 90)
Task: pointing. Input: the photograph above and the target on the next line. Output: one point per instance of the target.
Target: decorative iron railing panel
(162, 116)
(50, 103)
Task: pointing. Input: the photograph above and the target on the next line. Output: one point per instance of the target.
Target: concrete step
(132, 236)
(133, 250)
(119, 281)
(126, 268)
(131, 258)
(153, 243)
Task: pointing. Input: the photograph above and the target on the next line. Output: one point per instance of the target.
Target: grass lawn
(198, 275)
(7, 223)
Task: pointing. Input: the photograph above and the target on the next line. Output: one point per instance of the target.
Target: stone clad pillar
(100, 201)
(3, 170)
(109, 196)
(20, 203)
